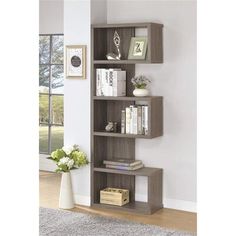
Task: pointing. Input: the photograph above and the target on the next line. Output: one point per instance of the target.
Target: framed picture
(138, 48)
(76, 61)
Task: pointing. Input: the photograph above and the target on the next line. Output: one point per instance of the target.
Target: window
(51, 92)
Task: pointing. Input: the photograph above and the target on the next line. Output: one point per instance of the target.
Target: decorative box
(114, 196)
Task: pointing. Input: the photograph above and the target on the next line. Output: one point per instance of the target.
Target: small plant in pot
(66, 159)
(140, 83)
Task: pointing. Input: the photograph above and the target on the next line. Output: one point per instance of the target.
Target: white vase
(66, 200)
(140, 92)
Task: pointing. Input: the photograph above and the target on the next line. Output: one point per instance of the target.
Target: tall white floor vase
(66, 200)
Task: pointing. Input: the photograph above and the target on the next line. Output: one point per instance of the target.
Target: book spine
(146, 120)
(110, 83)
(115, 85)
(106, 90)
(143, 120)
(135, 120)
(103, 82)
(127, 119)
(125, 167)
(98, 87)
(121, 83)
(123, 121)
(131, 119)
(139, 120)
(115, 163)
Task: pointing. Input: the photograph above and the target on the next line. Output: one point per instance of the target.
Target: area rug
(65, 223)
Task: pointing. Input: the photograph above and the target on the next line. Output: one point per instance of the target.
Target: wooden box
(114, 196)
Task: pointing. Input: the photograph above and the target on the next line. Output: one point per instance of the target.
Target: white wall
(175, 80)
(77, 25)
(51, 16)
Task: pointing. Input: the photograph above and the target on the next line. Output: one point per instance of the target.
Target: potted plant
(66, 159)
(140, 83)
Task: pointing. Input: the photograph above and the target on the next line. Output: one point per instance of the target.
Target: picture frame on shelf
(76, 61)
(138, 48)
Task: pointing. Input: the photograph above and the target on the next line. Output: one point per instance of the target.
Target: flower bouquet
(68, 158)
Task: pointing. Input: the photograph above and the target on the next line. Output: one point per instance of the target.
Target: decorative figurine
(111, 55)
(111, 127)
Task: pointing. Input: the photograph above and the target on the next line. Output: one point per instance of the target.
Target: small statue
(111, 55)
(111, 127)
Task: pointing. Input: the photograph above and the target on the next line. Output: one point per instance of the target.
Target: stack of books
(123, 164)
(110, 82)
(134, 120)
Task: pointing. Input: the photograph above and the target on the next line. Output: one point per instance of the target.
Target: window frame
(50, 95)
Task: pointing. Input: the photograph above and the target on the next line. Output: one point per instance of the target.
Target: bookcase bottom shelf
(135, 207)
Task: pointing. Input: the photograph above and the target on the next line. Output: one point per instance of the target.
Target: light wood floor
(49, 184)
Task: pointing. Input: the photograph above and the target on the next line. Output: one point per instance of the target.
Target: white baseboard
(172, 203)
(82, 200)
(180, 205)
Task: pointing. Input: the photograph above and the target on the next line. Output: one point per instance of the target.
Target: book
(139, 120)
(123, 121)
(110, 82)
(127, 119)
(136, 167)
(146, 120)
(134, 120)
(98, 83)
(131, 119)
(122, 162)
(119, 83)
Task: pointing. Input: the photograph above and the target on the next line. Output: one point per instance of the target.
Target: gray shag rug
(65, 223)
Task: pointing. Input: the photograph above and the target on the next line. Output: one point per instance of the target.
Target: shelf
(145, 171)
(122, 62)
(126, 98)
(128, 25)
(119, 135)
(137, 207)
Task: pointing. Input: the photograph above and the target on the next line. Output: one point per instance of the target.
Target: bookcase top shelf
(145, 171)
(128, 25)
(127, 98)
(123, 62)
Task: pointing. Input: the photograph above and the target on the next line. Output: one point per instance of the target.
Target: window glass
(57, 79)
(57, 136)
(43, 138)
(57, 116)
(57, 49)
(44, 78)
(43, 108)
(44, 49)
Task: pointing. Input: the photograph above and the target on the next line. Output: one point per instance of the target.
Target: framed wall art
(138, 48)
(76, 61)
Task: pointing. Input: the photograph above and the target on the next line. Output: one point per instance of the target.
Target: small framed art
(76, 61)
(138, 48)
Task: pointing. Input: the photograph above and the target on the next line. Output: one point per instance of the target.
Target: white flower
(70, 163)
(68, 149)
(66, 161)
(63, 161)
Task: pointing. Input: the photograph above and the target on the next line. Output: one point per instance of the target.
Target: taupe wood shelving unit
(105, 145)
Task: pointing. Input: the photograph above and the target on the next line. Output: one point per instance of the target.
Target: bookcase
(109, 145)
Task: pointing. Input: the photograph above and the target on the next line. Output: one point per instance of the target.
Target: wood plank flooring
(49, 184)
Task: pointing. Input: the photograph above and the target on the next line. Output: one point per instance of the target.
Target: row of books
(134, 120)
(123, 164)
(110, 82)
